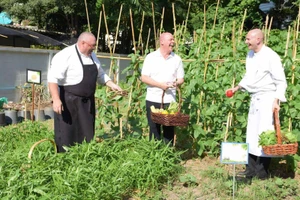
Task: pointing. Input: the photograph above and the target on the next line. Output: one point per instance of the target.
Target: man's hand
(113, 86)
(57, 106)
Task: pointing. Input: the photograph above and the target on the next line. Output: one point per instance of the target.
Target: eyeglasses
(91, 45)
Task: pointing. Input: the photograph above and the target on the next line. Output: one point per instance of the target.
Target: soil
(196, 167)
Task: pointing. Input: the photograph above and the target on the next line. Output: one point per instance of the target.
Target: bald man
(72, 79)
(162, 71)
(265, 81)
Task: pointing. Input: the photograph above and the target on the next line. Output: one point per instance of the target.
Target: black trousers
(258, 166)
(76, 123)
(155, 129)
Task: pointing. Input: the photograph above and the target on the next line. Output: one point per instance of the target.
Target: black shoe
(245, 173)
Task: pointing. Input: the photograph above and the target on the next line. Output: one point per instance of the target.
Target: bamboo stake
(203, 35)
(87, 15)
(174, 21)
(162, 19)
(148, 38)
(38, 110)
(287, 42)
(107, 32)
(117, 31)
(204, 23)
(265, 29)
(242, 26)
(98, 33)
(270, 25)
(154, 28)
(185, 23)
(132, 29)
(140, 42)
(215, 18)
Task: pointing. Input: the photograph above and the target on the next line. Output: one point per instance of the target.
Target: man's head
(166, 42)
(255, 40)
(86, 43)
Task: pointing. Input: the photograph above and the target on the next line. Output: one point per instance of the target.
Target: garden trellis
(214, 60)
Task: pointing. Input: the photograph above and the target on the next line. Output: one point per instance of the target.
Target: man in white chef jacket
(265, 81)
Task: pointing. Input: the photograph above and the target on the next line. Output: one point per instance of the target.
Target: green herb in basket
(267, 138)
(173, 107)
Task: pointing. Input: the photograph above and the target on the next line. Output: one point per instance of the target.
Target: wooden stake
(216, 13)
(154, 28)
(187, 17)
(132, 29)
(162, 19)
(174, 21)
(87, 15)
(107, 32)
(140, 42)
(98, 33)
(242, 27)
(148, 38)
(117, 31)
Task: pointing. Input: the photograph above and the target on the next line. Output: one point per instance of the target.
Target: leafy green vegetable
(173, 107)
(267, 138)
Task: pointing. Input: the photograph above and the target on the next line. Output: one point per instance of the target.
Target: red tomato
(229, 93)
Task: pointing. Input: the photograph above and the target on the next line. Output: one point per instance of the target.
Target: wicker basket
(37, 143)
(280, 149)
(176, 119)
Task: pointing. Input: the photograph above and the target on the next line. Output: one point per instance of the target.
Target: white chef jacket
(264, 80)
(162, 70)
(66, 68)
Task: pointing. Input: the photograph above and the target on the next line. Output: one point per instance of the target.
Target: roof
(34, 37)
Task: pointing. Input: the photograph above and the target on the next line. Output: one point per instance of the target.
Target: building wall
(15, 61)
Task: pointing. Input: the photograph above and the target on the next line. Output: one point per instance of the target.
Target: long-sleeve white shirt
(66, 68)
(264, 73)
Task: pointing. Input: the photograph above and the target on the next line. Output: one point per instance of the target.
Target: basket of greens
(277, 142)
(172, 116)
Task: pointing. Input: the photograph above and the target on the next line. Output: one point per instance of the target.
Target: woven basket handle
(179, 96)
(277, 126)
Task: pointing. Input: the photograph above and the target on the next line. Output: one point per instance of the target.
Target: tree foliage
(71, 17)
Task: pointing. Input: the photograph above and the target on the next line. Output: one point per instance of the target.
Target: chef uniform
(265, 81)
(76, 75)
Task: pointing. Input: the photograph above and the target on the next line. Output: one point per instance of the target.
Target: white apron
(260, 118)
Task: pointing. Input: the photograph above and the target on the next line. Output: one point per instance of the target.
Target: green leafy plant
(267, 138)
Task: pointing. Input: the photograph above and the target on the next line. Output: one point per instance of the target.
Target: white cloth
(264, 73)
(264, 80)
(66, 68)
(162, 70)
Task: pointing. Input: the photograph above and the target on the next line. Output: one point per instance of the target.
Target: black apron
(77, 121)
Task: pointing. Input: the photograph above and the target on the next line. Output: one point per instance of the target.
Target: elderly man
(162, 71)
(265, 81)
(72, 79)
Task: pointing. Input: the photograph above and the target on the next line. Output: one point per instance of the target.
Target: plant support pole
(32, 111)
